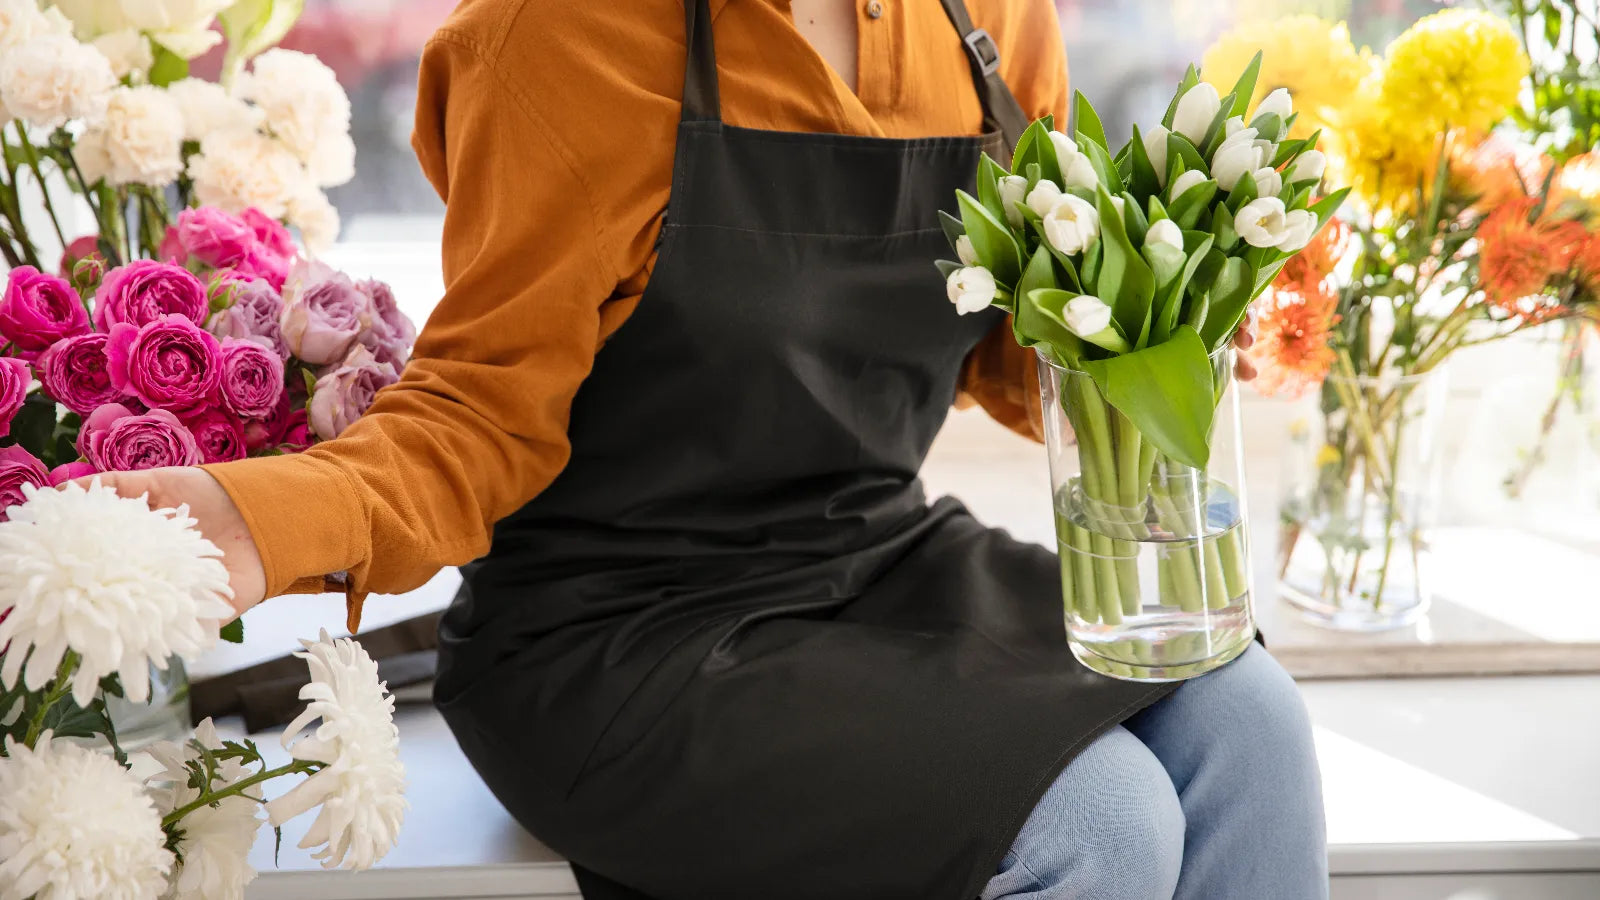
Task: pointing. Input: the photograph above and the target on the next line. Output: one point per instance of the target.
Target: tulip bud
(1232, 126)
(1197, 108)
(1236, 156)
(1164, 231)
(1065, 147)
(1155, 147)
(971, 289)
(1269, 183)
(1277, 103)
(1080, 173)
(1186, 180)
(1071, 225)
(1308, 167)
(1299, 227)
(1087, 316)
(1043, 197)
(1012, 187)
(964, 251)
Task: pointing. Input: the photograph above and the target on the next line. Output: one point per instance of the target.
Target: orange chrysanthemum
(1294, 336)
(1517, 259)
(1496, 170)
(1587, 263)
(1318, 259)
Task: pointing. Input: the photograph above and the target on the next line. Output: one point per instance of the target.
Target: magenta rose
(344, 393)
(391, 334)
(265, 265)
(14, 381)
(267, 431)
(117, 439)
(252, 378)
(17, 468)
(219, 435)
(270, 233)
(323, 313)
(66, 472)
(80, 249)
(144, 290)
(75, 373)
(214, 237)
(296, 433)
(38, 310)
(168, 364)
(253, 315)
(171, 249)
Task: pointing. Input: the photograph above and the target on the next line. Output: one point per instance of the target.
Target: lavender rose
(252, 378)
(270, 233)
(75, 373)
(14, 382)
(214, 237)
(344, 393)
(39, 309)
(253, 315)
(391, 335)
(116, 439)
(17, 468)
(144, 290)
(323, 313)
(67, 471)
(219, 435)
(168, 364)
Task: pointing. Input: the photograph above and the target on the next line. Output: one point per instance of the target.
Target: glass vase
(1360, 500)
(1155, 559)
(164, 718)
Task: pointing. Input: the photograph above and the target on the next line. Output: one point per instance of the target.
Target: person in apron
(727, 649)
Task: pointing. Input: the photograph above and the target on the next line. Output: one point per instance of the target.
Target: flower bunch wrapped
(105, 587)
(1130, 271)
(228, 346)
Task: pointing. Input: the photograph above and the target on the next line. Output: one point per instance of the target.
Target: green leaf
(1327, 206)
(991, 240)
(1179, 148)
(1169, 303)
(1133, 218)
(1039, 275)
(1216, 132)
(1191, 77)
(1090, 271)
(233, 632)
(1244, 190)
(169, 67)
(1035, 148)
(989, 175)
(1125, 283)
(1269, 127)
(946, 267)
(1196, 201)
(1104, 167)
(1166, 391)
(952, 227)
(1142, 176)
(1289, 150)
(252, 26)
(1087, 121)
(1156, 212)
(1064, 261)
(1245, 88)
(1041, 320)
(34, 425)
(310, 379)
(1228, 299)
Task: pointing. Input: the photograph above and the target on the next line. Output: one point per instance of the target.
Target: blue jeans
(1210, 794)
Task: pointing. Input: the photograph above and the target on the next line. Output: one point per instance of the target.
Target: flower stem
(60, 686)
(38, 174)
(207, 798)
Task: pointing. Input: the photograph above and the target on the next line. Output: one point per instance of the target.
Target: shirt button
(874, 9)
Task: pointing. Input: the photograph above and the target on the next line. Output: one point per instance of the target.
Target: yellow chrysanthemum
(1312, 58)
(1459, 68)
(1379, 155)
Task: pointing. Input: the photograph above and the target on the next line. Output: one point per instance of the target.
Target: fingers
(1245, 337)
(1244, 369)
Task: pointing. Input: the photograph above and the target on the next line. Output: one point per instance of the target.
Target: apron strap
(1001, 111)
(701, 100)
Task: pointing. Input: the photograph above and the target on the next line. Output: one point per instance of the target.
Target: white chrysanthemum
(334, 162)
(75, 824)
(317, 219)
(92, 155)
(207, 107)
(214, 841)
(128, 52)
(143, 137)
(237, 169)
(121, 585)
(301, 97)
(21, 21)
(362, 789)
(52, 79)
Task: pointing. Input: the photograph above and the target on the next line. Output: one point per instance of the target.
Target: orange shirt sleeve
(999, 375)
(477, 424)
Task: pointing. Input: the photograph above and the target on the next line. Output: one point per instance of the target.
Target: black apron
(731, 652)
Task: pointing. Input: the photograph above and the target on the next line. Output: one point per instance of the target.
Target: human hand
(1244, 339)
(219, 520)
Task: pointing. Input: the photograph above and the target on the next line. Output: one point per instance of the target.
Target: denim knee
(1110, 826)
(1252, 713)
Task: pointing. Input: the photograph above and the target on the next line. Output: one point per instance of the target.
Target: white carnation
(214, 840)
(75, 824)
(143, 132)
(310, 211)
(362, 788)
(127, 51)
(93, 156)
(237, 169)
(208, 107)
(334, 162)
(53, 79)
(21, 21)
(122, 585)
(304, 105)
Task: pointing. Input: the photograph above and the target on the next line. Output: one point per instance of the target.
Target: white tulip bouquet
(1129, 272)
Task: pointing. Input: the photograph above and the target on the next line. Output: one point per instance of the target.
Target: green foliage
(1166, 391)
(991, 239)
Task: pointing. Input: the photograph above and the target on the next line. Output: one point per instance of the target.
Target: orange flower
(1318, 259)
(1294, 337)
(1517, 259)
(1580, 179)
(1496, 170)
(1588, 263)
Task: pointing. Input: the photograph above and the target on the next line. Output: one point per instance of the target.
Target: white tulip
(1308, 167)
(1121, 206)
(1236, 156)
(1269, 183)
(1155, 147)
(1262, 222)
(1012, 188)
(971, 289)
(1043, 197)
(127, 51)
(1299, 227)
(182, 26)
(1164, 231)
(1186, 180)
(1080, 173)
(1065, 147)
(1197, 108)
(1232, 126)
(964, 251)
(1087, 316)
(1071, 225)
(1277, 104)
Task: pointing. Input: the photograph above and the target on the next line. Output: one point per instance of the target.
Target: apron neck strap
(1001, 112)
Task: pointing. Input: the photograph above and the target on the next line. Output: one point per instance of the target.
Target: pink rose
(38, 310)
(344, 393)
(323, 313)
(296, 433)
(64, 473)
(75, 373)
(215, 238)
(14, 381)
(219, 435)
(116, 439)
(270, 233)
(144, 290)
(17, 468)
(80, 249)
(265, 265)
(391, 335)
(168, 364)
(252, 378)
(267, 431)
(253, 315)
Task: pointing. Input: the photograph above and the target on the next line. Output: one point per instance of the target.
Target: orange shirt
(548, 128)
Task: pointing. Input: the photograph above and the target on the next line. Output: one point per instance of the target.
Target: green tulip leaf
(1035, 148)
(1133, 219)
(1166, 391)
(1244, 190)
(989, 175)
(1179, 148)
(991, 240)
(1191, 77)
(1087, 121)
(946, 267)
(952, 227)
(1228, 299)
(1216, 132)
(1245, 88)
(1169, 301)
(168, 67)
(1042, 320)
(1196, 201)
(1104, 167)
(1269, 127)
(1039, 275)
(1125, 283)
(252, 26)
(1222, 228)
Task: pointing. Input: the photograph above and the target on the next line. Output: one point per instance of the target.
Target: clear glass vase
(1155, 558)
(164, 718)
(1359, 502)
